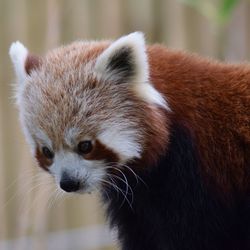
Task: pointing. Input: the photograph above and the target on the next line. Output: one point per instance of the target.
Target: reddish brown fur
(213, 99)
(42, 160)
(32, 62)
(101, 152)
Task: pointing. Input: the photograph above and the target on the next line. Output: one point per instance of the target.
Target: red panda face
(82, 107)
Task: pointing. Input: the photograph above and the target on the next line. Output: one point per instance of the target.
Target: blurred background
(32, 214)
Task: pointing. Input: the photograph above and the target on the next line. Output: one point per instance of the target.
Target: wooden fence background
(29, 217)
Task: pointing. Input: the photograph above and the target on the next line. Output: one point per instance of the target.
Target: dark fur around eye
(84, 147)
(47, 153)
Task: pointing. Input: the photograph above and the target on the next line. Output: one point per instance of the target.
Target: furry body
(170, 136)
(176, 211)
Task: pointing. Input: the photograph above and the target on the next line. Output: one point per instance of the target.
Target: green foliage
(218, 13)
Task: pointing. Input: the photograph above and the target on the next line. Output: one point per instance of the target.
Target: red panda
(163, 135)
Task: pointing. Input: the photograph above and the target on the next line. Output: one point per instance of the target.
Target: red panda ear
(23, 62)
(18, 54)
(125, 60)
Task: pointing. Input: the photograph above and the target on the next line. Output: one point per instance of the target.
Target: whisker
(126, 180)
(120, 190)
(41, 193)
(20, 177)
(138, 178)
(52, 199)
(128, 186)
(19, 192)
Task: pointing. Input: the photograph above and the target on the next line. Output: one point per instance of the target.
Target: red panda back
(213, 100)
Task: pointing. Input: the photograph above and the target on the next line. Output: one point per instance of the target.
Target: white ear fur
(18, 54)
(135, 41)
(140, 83)
(150, 95)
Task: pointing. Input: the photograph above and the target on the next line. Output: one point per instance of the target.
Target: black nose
(69, 184)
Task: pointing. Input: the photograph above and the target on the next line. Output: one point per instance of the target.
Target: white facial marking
(43, 138)
(70, 136)
(121, 141)
(28, 137)
(88, 172)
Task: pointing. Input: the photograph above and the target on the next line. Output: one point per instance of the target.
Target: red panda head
(88, 106)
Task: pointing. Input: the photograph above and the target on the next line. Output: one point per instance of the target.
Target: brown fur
(43, 161)
(32, 62)
(213, 99)
(101, 152)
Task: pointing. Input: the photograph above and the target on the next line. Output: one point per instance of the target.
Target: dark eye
(47, 153)
(84, 147)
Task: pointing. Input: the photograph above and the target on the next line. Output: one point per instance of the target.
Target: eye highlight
(47, 153)
(84, 147)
